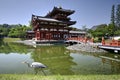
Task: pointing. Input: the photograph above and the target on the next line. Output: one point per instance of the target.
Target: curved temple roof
(61, 10)
(58, 16)
(52, 20)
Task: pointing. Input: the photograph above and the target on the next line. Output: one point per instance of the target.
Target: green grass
(11, 39)
(58, 77)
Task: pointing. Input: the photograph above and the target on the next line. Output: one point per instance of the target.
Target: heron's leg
(43, 71)
(36, 71)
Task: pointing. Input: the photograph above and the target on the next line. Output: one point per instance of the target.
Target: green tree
(19, 31)
(111, 29)
(4, 30)
(118, 16)
(113, 15)
(111, 26)
(100, 31)
(117, 33)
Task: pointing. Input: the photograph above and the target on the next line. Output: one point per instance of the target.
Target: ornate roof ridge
(59, 9)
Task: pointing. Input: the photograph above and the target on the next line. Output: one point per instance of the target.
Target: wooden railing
(85, 40)
(112, 43)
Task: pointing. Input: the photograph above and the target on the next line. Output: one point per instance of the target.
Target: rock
(86, 47)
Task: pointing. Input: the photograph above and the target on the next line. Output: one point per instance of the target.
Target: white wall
(117, 37)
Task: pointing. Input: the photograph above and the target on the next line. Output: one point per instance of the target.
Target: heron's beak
(22, 62)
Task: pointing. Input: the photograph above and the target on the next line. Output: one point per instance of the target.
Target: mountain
(98, 26)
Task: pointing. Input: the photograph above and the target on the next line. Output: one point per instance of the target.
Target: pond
(57, 58)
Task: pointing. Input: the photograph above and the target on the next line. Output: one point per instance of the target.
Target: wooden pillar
(68, 33)
(48, 34)
(92, 40)
(85, 39)
(57, 34)
(103, 41)
(52, 34)
(63, 34)
(37, 35)
(44, 35)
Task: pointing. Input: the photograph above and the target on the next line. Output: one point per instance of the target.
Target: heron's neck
(28, 64)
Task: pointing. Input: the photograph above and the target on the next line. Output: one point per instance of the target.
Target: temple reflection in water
(58, 59)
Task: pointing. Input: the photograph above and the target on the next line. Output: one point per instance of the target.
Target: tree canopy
(17, 30)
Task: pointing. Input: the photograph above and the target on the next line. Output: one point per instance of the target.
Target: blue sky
(87, 12)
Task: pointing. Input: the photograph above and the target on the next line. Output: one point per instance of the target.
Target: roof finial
(60, 7)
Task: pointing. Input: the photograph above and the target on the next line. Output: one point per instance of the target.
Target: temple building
(53, 26)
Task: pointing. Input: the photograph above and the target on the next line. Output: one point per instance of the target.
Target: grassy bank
(11, 39)
(58, 77)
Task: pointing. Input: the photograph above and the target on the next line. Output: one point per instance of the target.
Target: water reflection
(95, 64)
(58, 59)
(1, 41)
(11, 56)
(11, 63)
(14, 48)
(113, 63)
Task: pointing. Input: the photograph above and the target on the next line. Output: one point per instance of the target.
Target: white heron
(36, 65)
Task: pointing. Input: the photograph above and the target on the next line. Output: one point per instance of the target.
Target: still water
(57, 58)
